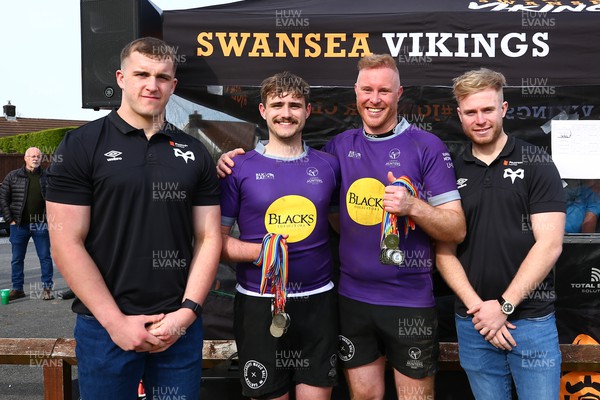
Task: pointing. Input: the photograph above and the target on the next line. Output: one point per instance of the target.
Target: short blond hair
(475, 81)
(378, 61)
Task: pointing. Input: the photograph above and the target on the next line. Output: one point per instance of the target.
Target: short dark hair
(284, 83)
(151, 47)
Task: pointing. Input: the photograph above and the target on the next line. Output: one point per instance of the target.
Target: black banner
(534, 43)
(548, 50)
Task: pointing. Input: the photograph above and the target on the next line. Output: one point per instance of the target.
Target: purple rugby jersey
(285, 196)
(364, 164)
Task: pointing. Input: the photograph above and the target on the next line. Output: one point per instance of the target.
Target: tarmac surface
(31, 317)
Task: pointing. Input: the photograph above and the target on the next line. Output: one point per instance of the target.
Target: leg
(360, 350)
(176, 373)
(307, 392)
(104, 370)
(313, 336)
(486, 367)
(19, 238)
(409, 388)
(535, 362)
(259, 353)
(367, 381)
(41, 239)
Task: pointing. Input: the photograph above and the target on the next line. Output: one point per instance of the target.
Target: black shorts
(407, 337)
(306, 353)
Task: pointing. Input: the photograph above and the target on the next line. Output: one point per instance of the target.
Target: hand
(503, 338)
(225, 162)
(129, 332)
(171, 327)
(396, 199)
(488, 318)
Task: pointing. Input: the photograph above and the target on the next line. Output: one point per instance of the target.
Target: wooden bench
(56, 356)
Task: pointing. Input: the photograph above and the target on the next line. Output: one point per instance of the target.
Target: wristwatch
(192, 305)
(506, 306)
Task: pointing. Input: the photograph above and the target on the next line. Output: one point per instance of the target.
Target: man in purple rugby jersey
(386, 304)
(284, 188)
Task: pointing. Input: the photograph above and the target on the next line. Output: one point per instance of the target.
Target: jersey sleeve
(70, 174)
(230, 199)
(439, 176)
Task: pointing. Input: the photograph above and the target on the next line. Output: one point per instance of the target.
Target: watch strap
(192, 305)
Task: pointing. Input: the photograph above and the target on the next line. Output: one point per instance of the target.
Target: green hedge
(46, 140)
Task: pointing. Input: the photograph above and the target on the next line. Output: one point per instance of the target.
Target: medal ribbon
(389, 222)
(273, 259)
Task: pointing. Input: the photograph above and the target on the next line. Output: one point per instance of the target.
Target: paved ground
(30, 317)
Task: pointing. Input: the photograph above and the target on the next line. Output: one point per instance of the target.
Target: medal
(273, 259)
(279, 324)
(281, 320)
(391, 241)
(390, 253)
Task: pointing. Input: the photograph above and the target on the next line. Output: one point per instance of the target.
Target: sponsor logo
(590, 287)
(113, 155)
(188, 155)
(179, 145)
(293, 215)
(461, 183)
(512, 163)
(264, 175)
(255, 374)
(509, 173)
(364, 201)
(346, 348)
(354, 154)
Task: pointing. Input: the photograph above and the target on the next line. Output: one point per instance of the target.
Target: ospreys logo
(188, 155)
(364, 201)
(255, 374)
(293, 215)
(509, 173)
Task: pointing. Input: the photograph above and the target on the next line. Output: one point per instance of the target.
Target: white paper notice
(576, 149)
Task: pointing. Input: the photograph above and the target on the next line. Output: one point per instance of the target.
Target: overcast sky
(40, 68)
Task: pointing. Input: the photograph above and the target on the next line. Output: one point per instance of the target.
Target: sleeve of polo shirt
(546, 193)
(70, 175)
(207, 190)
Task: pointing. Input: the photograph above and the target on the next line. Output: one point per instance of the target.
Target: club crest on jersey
(394, 156)
(188, 155)
(509, 173)
(313, 177)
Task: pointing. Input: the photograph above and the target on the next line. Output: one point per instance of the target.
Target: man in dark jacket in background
(22, 200)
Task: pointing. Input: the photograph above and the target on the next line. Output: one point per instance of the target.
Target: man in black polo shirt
(133, 209)
(502, 273)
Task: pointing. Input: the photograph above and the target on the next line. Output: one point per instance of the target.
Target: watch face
(507, 308)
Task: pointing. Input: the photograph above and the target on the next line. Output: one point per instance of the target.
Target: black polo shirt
(498, 200)
(141, 193)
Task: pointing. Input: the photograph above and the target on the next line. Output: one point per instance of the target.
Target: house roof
(17, 126)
